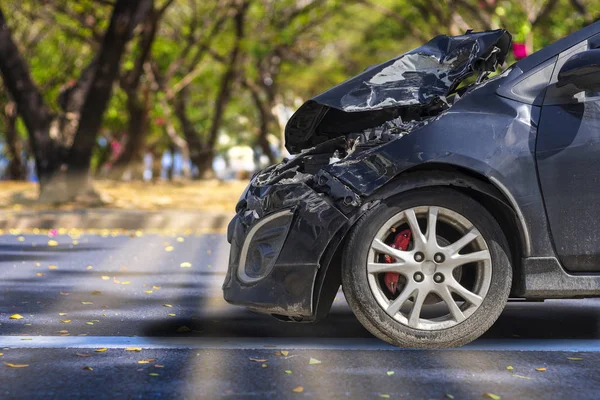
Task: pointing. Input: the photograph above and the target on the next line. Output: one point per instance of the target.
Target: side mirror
(582, 70)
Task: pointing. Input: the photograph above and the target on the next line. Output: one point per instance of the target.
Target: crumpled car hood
(410, 83)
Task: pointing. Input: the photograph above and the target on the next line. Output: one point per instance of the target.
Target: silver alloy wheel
(431, 268)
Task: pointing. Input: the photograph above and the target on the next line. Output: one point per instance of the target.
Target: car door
(568, 161)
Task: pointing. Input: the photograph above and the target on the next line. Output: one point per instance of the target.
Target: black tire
(363, 302)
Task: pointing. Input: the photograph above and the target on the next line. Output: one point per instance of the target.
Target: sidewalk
(193, 207)
(114, 219)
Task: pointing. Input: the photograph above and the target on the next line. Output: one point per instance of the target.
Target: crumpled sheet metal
(416, 80)
(429, 71)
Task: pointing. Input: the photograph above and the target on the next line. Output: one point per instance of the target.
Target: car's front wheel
(429, 268)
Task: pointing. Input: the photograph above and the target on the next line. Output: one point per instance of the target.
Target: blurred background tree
(121, 89)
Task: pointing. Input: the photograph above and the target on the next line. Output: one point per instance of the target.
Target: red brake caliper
(401, 242)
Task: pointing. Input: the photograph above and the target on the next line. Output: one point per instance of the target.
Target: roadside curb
(85, 219)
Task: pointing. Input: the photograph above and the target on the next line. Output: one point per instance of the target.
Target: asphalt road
(143, 317)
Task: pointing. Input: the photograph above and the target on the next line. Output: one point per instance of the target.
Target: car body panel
(487, 135)
(503, 149)
(567, 155)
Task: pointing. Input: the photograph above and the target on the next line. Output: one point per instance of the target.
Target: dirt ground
(208, 195)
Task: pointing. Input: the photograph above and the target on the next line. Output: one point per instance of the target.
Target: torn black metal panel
(406, 87)
(342, 195)
(299, 168)
(288, 288)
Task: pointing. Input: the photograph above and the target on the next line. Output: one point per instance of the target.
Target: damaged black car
(431, 192)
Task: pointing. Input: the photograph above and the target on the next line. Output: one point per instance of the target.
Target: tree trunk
(137, 129)
(125, 16)
(225, 87)
(16, 169)
(138, 105)
(36, 115)
(197, 148)
(263, 122)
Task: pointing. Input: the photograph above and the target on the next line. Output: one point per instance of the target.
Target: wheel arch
(490, 193)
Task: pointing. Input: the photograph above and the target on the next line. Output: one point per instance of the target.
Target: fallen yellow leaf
(89, 267)
(541, 369)
(133, 349)
(384, 396)
(298, 389)
(491, 396)
(65, 321)
(87, 303)
(105, 278)
(88, 368)
(574, 358)
(16, 316)
(52, 243)
(143, 362)
(159, 366)
(510, 368)
(168, 249)
(21, 239)
(52, 267)
(185, 265)
(284, 353)
(83, 355)
(448, 395)
(102, 350)
(314, 361)
(264, 365)
(390, 373)
(180, 239)
(16, 365)
(1, 354)
(155, 287)
(96, 292)
(62, 314)
(153, 374)
(172, 315)
(148, 291)
(39, 274)
(288, 371)
(259, 360)
(167, 305)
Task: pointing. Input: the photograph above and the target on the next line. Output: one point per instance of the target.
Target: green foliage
(291, 49)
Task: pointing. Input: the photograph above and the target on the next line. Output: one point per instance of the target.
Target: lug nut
(419, 256)
(418, 277)
(438, 278)
(439, 258)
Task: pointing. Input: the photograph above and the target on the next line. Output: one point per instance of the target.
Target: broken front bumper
(278, 237)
